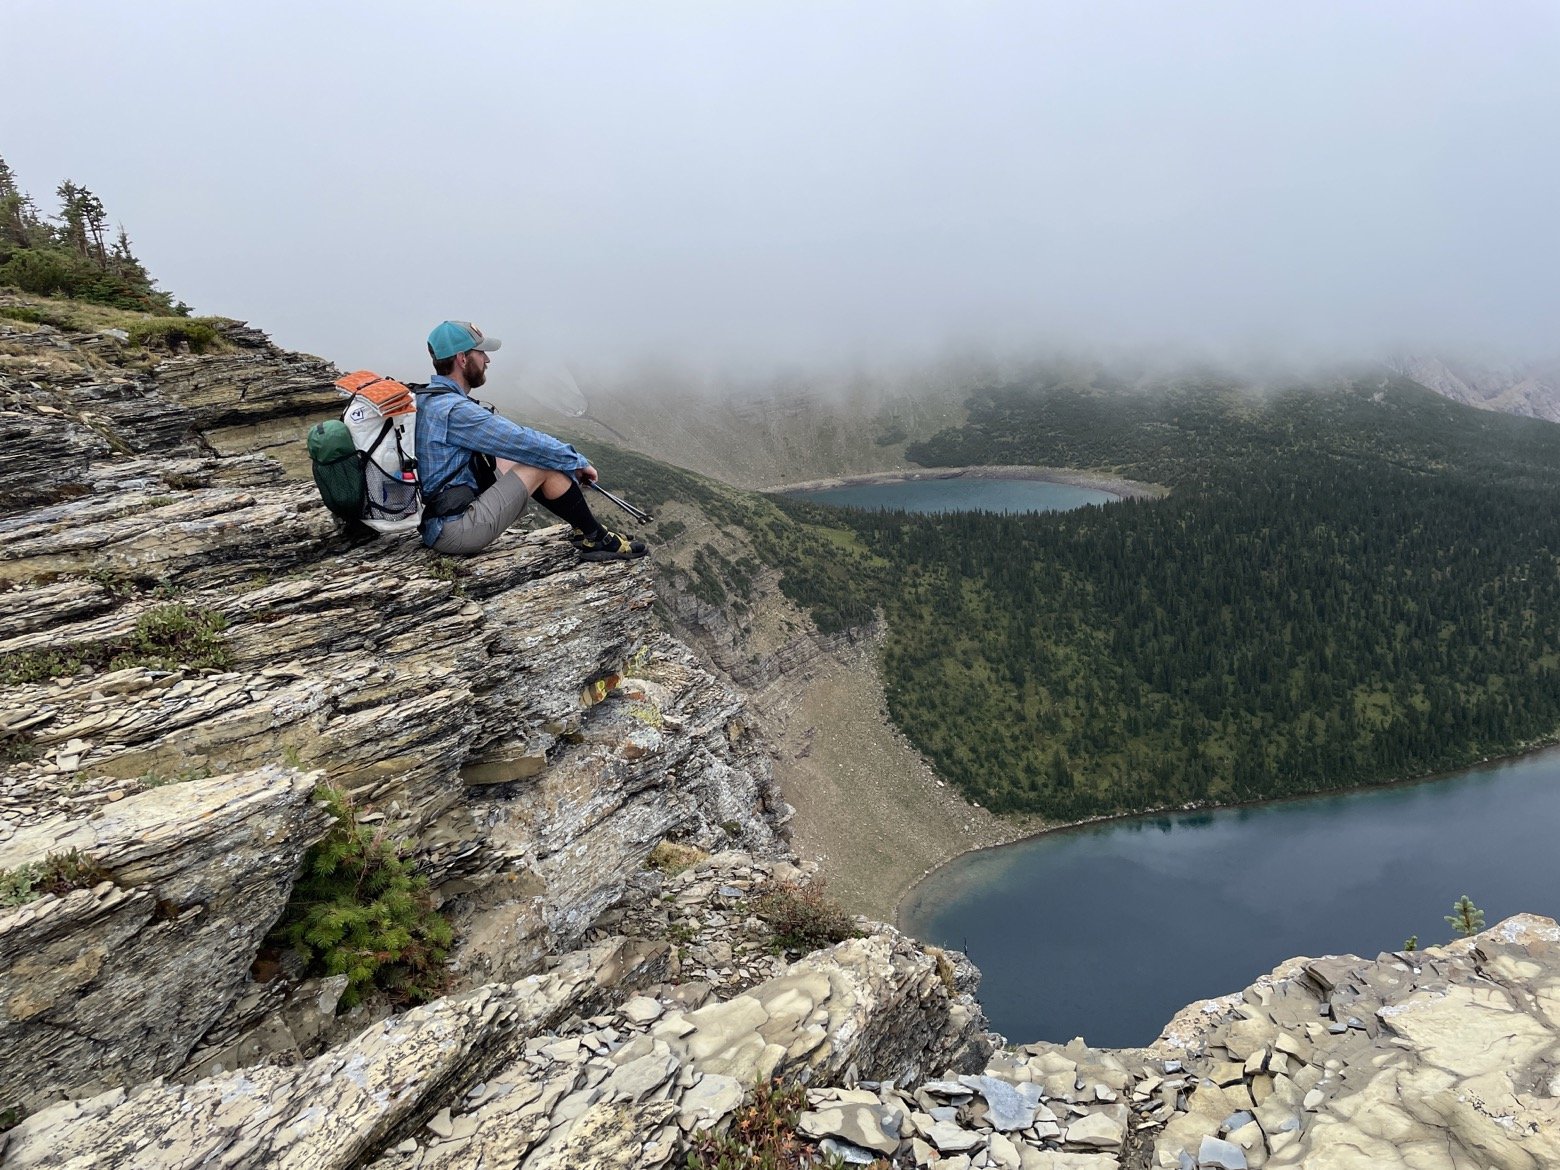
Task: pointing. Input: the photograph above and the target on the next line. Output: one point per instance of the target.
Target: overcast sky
(805, 181)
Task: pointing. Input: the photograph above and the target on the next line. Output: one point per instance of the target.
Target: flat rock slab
(712, 1097)
(952, 1138)
(641, 1009)
(1009, 1106)
(1216, 1154)
(1099, 1130)
(860, 1125)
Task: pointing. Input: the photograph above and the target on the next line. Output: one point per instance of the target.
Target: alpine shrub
(17, 886)
(165, 638)
(172, 636)
(358, 910)
(57, 874)
(762, 1136)
(198, 333)
(804, 918)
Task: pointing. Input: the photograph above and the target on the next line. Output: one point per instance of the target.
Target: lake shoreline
(899, 922)
(1110, 484)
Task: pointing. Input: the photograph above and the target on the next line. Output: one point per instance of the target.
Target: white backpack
(382, 418)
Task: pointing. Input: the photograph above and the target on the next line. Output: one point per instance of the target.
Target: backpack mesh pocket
(389, 497)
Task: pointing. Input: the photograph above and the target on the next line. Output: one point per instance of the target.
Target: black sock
(571, 506)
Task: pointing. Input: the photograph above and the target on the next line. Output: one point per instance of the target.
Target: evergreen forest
(73, 254)
(1347, 584)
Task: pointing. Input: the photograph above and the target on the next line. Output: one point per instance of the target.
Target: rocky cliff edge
(189, 647)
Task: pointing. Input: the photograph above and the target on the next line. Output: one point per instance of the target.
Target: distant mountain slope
(1213, 427)
(1532, 389)
(754, 434)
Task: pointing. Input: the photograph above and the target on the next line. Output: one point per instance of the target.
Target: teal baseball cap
(452, 337)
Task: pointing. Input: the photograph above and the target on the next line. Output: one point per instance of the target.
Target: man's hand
(586, 474)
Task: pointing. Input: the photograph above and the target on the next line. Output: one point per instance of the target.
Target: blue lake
(960, 495)
(1107, 931)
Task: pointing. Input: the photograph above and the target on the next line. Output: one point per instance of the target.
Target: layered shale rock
(188, 644)
(68, 398)
(333, 1111)
(1432, 1060)
(1440, 1060)
(118, 981)
(525, 1073)
(171, 620)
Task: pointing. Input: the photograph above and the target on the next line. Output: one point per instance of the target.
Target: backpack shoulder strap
(380, 438)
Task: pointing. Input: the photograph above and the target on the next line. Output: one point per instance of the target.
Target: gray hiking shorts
(490, 513)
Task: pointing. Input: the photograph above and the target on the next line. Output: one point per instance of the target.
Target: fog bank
(753, 185)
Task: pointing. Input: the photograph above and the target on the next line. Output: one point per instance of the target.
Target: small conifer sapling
(1466, 918)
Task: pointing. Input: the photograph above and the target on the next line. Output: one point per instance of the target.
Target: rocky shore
(1115, 485)
(189, 648)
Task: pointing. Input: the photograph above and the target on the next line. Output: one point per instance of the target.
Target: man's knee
(547, 481)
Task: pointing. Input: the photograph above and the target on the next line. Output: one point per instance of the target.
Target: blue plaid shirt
(450, 427)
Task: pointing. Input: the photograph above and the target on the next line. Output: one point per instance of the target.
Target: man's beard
(476, 376)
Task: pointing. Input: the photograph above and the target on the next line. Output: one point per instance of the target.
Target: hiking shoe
(609, 546)
(576, 538)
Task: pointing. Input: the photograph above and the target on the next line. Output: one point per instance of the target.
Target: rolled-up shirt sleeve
(476, 429)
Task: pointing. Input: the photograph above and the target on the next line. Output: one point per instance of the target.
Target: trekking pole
(642, 517)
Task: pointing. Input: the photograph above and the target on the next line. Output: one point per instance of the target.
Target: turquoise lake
(1107, 931)
(961, 495)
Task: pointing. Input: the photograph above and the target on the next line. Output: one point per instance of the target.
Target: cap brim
(488, 344)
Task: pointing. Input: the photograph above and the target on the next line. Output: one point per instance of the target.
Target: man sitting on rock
(460, 515)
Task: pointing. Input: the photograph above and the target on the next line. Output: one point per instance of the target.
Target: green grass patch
(169, 637)
(79, 316)
(57, 874)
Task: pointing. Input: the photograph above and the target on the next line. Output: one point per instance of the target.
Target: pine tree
(94, 217)
(15, 207)
(1466, 918)
(72, 217)
(358, 910)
